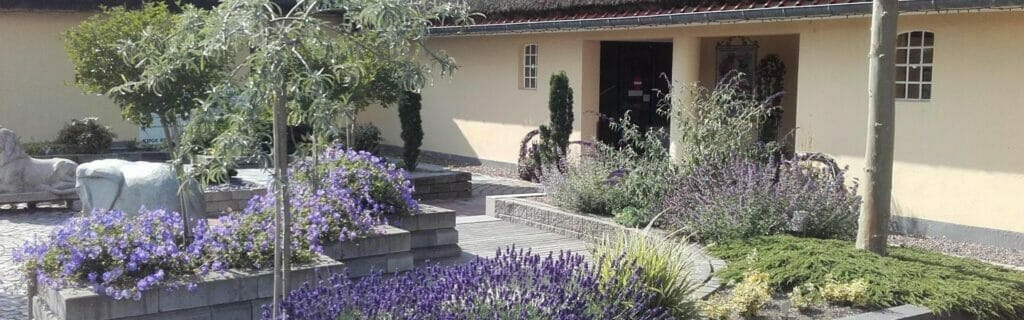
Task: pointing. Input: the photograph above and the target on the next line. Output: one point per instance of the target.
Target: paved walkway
(17, 227)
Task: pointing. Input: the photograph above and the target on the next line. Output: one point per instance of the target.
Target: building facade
(959, 168)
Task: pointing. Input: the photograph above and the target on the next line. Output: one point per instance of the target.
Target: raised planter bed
(236, 294)
(436, 183)
(432, 233)
(218, 202)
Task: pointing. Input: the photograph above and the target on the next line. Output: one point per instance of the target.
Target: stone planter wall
(217, 202)
(435, 185)
(387, 251)
(234, 295)
(525, 209)
(432, 233)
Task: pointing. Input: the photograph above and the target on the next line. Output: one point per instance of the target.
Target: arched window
(529, 66)
(914, 54)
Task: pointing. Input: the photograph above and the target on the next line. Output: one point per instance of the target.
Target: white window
(529, 66)
(914, 54)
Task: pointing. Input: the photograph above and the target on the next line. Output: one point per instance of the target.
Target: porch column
(685, 71)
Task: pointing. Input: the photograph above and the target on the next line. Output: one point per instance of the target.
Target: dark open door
(634, 78)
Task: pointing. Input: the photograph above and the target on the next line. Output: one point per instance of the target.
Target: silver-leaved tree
(307, 61)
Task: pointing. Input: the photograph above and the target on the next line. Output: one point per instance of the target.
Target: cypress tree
(412, 128)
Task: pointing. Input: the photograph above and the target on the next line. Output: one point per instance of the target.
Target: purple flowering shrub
(116, 255)
(747, 198)
(342, 198)
(514, 285)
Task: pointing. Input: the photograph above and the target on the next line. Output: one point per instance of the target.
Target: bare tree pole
(282, 218)
(876, 188)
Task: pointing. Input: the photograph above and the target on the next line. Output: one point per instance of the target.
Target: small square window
(915, 53)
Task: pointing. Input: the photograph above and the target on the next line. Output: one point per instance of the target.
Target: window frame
(528, 67)
(911, 66)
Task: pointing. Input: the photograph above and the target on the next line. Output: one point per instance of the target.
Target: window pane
(916, 39)
(914, 74)
(926, 91)
(901, 55)
(928, 55)
(913, 91)
(929, 39)
(901, 91)
(901, 73)
(901, 41)
(915, 56)
(533, 83)
(926, 74)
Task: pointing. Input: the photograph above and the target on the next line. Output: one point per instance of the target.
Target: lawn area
(942, 283)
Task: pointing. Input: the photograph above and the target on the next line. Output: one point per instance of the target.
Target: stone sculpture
(114, 184)
(20, 173)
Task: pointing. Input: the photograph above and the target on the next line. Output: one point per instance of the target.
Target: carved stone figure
(20, 173)
(114, 184)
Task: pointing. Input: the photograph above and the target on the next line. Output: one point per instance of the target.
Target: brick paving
(16, 227)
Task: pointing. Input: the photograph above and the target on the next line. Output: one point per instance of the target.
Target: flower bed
(513, 285)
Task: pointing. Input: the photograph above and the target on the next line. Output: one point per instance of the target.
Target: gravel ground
(998, 255)
(780, 308)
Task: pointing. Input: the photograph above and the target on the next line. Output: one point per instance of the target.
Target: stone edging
(519, 208)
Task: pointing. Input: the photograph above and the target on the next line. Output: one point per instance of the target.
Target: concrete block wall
(442, 185)
(432, 233)
(217, 202)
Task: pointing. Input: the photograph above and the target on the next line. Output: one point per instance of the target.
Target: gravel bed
(780, 308)
(992, 254)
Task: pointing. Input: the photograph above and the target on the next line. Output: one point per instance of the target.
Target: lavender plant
(626, 181)
(514, 285)
(116, 255)
(748, 198)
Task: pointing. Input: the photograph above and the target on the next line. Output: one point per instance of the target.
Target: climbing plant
(771, 74)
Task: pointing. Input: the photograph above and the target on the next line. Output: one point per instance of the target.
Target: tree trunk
(876, 187)
(282, 218)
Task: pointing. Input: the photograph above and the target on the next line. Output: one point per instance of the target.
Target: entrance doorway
(634, 78)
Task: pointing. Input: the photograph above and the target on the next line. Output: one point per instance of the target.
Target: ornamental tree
(312, 62)
(101, 66)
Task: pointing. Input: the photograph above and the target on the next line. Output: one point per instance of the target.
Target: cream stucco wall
(959, 157)
(36, 92)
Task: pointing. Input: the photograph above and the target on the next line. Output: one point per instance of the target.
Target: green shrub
(719, 125)
(86, 136)
(412, 128)
(104, 63)
(366, 137)
(665, 266)
(629, 182)
(554, 137)
(43, 148)
(805, 297)
(942, 283)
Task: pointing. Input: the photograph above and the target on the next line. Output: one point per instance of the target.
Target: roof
(88, 5)
(506, 16)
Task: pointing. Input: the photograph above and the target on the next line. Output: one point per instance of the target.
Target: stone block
(388, 263)
(389, 239)
(232, 311)
(217, 196)
(429, 218)
(433, 238)
(436, 252)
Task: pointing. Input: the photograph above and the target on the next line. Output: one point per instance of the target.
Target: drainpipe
(761, 14)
